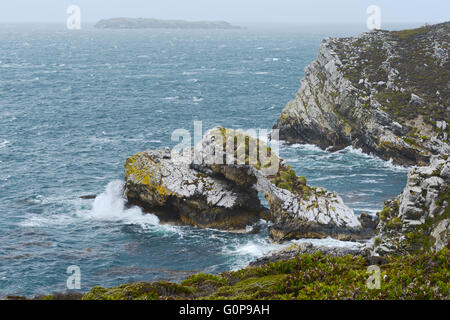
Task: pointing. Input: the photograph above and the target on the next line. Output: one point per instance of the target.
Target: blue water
(75, 104)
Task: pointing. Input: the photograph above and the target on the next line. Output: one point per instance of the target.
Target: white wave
(261, 72)
(246, 252)
(330, 242)
(103, 140)
(369, 181)
(110, 206)
(236, 72)
(189, 73)
(357, 151)
(386, 164)
(42, 220)
(307, 147)
(372, 212)
(172, 98)
(197, 99)
(4, 143)
(331, 177)
(390, 165)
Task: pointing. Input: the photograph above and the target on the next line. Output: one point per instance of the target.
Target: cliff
(141, 23)
(419, 218)
(384, 92)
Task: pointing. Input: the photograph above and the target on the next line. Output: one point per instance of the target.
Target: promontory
(385, 92)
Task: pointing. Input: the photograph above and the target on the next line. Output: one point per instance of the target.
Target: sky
(234, 11)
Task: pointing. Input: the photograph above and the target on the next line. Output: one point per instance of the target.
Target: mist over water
(74, 105)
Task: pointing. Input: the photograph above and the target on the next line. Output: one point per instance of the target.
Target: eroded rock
(215, 186)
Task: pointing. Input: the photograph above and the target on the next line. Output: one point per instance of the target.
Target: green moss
(377, 242)
(410, 141)
(250, 289)
(395, 223)
(409, 33)
(286, 178)
(419, 240)
(202, 279)
(384, 214)
(140, 291)
(246, 149)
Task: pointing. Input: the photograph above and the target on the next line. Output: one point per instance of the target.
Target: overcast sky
(235, 11)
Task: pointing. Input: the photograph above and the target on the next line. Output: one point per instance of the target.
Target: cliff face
(419, 218)
(384, 92)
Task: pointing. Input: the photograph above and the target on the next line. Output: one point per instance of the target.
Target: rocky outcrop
(419, 217)
(164, 183)
(384, 92)
(217, 184)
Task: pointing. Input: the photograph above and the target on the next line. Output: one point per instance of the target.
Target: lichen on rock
(165, 184)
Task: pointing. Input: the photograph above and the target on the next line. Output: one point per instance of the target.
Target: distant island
(141, 23)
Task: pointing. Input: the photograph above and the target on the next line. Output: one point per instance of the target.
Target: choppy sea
(75, 104)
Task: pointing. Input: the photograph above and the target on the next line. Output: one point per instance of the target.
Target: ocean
(75, 104)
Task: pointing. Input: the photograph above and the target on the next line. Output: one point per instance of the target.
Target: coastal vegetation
(424, 275)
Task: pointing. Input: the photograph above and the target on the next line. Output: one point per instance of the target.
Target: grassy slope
(420, 276)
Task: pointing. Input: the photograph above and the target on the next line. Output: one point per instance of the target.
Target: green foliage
(409, 33)
(140, 291)
(419, 239)
(395, 223)
(308, 276)
(286, 178)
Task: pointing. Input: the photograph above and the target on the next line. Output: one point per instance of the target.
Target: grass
(308, 276)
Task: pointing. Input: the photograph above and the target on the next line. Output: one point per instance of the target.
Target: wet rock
(88, 197)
